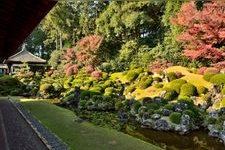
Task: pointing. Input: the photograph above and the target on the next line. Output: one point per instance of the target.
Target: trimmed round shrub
(218, 79)
(187, 100)
(97, 89)
(84, 94)
(190, 113)
(158, 85)
(171, 76)
(176, 84)
(145, 84)
(82, 103)
(157, 79)
(136, 106)
(170, 95)
(201, 90)
(97, 98)
(131, 88)
(7, 80)
(146, 100)
(152, 106)
(131, 75)
(158, 112)
(208, 76)
(118, 105)
(188, 89)
(46, 88)
(175, 117)
(151, 111)
(169, 106)
(211, 120)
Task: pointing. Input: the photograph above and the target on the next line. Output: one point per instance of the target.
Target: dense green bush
(188, 89)
(157, 79)
(208, 76)
(146, 100)
(131, 75)
(169, 106)
(223, 90)
(175, 117)
(7, 80)
(136, 106)
(187, 100)
(171, 76)
(170, 95)
(131, 88)
(201, 90)
(46, 90)
(190, 113)
(145, 84)
(218, 79)
(108, 83)
(118, 105)
(153, 106)
(15, 92)
(97, 89)
(158, 85)
(68, 98)
(211, 120)
(176, 84)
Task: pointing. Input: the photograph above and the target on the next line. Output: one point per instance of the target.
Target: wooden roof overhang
(18, 18)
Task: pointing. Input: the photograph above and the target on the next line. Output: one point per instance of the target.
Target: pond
(197, 140)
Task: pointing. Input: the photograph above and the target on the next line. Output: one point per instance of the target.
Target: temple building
(10, 65)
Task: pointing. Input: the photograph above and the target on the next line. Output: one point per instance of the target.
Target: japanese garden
(126, 74)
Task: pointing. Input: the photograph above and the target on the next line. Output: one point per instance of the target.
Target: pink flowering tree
(203, 37)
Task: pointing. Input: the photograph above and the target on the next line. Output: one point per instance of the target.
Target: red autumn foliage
(201, 70)
(220, 65)
(96, 75)
(204, 31)
(88, 48)
(159, 65)
(85, 53)
(212, 70)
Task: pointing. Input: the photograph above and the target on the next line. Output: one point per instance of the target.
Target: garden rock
(156, 116)
(157, 100)
(91, 107)
(148, 123)
(166, 112)
(162, 125)
(184, 126)
(179, 107)
(123, 117)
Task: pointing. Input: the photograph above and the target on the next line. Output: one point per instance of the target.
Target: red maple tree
(203, 37)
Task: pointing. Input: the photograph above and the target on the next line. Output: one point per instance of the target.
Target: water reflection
(197, 140)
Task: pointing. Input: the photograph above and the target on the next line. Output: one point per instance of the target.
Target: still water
(197, 140)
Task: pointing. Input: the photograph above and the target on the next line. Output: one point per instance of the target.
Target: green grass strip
(82, 136)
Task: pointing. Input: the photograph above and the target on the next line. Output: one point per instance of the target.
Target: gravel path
(19, 126)
(19, 134)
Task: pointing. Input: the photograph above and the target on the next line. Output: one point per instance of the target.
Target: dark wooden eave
(18, 18)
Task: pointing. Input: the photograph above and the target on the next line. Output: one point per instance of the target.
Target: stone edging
(51, 141)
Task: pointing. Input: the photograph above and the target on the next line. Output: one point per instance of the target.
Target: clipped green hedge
(176, 84)
(201, 90)
(145, 84)
(208, 76)
(157, 79)
(131, 88)
(187, 100)
(188, 89)
(158, 85)
(131, 75)
(218, 79)
(171, 76)
(136, 106)
(211, 120)
(170, 95)
(175, 117)
(118, 105)
(169, 106)
(190, 113)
